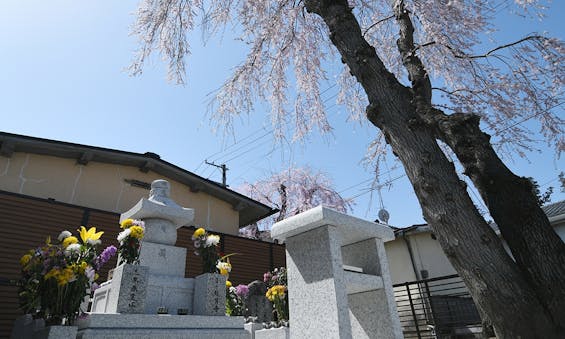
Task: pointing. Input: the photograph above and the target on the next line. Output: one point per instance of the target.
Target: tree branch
(377, 23)
(416, 71)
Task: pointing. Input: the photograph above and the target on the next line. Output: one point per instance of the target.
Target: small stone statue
(259, 308)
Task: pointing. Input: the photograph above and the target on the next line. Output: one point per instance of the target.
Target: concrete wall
(427, 255)
(102, 186)
(559, 227)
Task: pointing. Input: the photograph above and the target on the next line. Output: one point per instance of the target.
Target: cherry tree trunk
(495, 281)
(537, 249)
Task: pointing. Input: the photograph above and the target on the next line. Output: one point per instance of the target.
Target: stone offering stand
(338, 276)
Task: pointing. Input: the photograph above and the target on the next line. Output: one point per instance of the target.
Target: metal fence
(437, 308)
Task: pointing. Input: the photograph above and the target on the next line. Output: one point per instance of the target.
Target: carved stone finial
(161, 193)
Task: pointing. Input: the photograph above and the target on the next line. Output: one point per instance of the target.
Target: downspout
(416, 273)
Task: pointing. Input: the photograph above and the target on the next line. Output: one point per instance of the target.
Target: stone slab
(163, 259)
(56, 332)
(209, 295)
(157, 321)
(126, 293)
(359, 282)
(170, 292)
(275, 333)
(163, 334)
(147, 326)
(351, 229)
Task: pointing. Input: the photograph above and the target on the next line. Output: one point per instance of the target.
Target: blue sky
(62, 77)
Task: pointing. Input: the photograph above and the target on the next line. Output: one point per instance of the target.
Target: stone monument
(165, 287)
(338, 277)
(128, 305)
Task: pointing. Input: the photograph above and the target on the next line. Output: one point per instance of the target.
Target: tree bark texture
(493, 278)
(537, 249)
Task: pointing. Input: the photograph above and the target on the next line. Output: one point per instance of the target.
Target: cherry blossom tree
(431, 77)
(292, 191)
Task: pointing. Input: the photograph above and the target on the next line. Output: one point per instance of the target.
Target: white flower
(94, 242)
(224, 266)
(232, 289)
(212, 240)
(90, 273)
(64, 235)
(124, 234)
(72, 248)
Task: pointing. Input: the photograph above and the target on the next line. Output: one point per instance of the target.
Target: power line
(254, 133)
(376, 187)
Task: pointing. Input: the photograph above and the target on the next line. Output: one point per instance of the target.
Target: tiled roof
(555, 209)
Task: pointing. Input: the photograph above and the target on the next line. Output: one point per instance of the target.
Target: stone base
(170, 292)
(147, 326)
(125, 293)
(210, 294)
(25, 326)
(56, 332)
(273, 333)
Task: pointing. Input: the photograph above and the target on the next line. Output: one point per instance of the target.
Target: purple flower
(94, 287)
(267, 277)
(242, 291)
(103, 258)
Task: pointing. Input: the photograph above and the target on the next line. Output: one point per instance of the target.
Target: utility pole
(223, 168)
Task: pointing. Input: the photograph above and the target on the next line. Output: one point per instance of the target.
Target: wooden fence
(25, 222)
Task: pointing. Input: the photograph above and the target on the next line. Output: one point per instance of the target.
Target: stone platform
(142, 326)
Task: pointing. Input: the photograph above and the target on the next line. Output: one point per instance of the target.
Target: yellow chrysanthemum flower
(90, 234)
(228, 284)
(52, 273)
(25, 259)
(82, 267)
(126, 223)
(136, 232)
(275, 292)
(65, 276)
(198, 233)
(69, 240)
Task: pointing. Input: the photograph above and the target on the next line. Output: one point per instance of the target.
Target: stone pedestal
(210, 294)
(125, 293)
(324, 299)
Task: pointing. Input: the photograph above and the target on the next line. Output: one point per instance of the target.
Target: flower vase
(209, 294)
(282, 332)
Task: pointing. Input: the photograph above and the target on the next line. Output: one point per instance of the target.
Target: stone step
(359, 282)
(150, 321)
(163, 334)
(149, 326)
